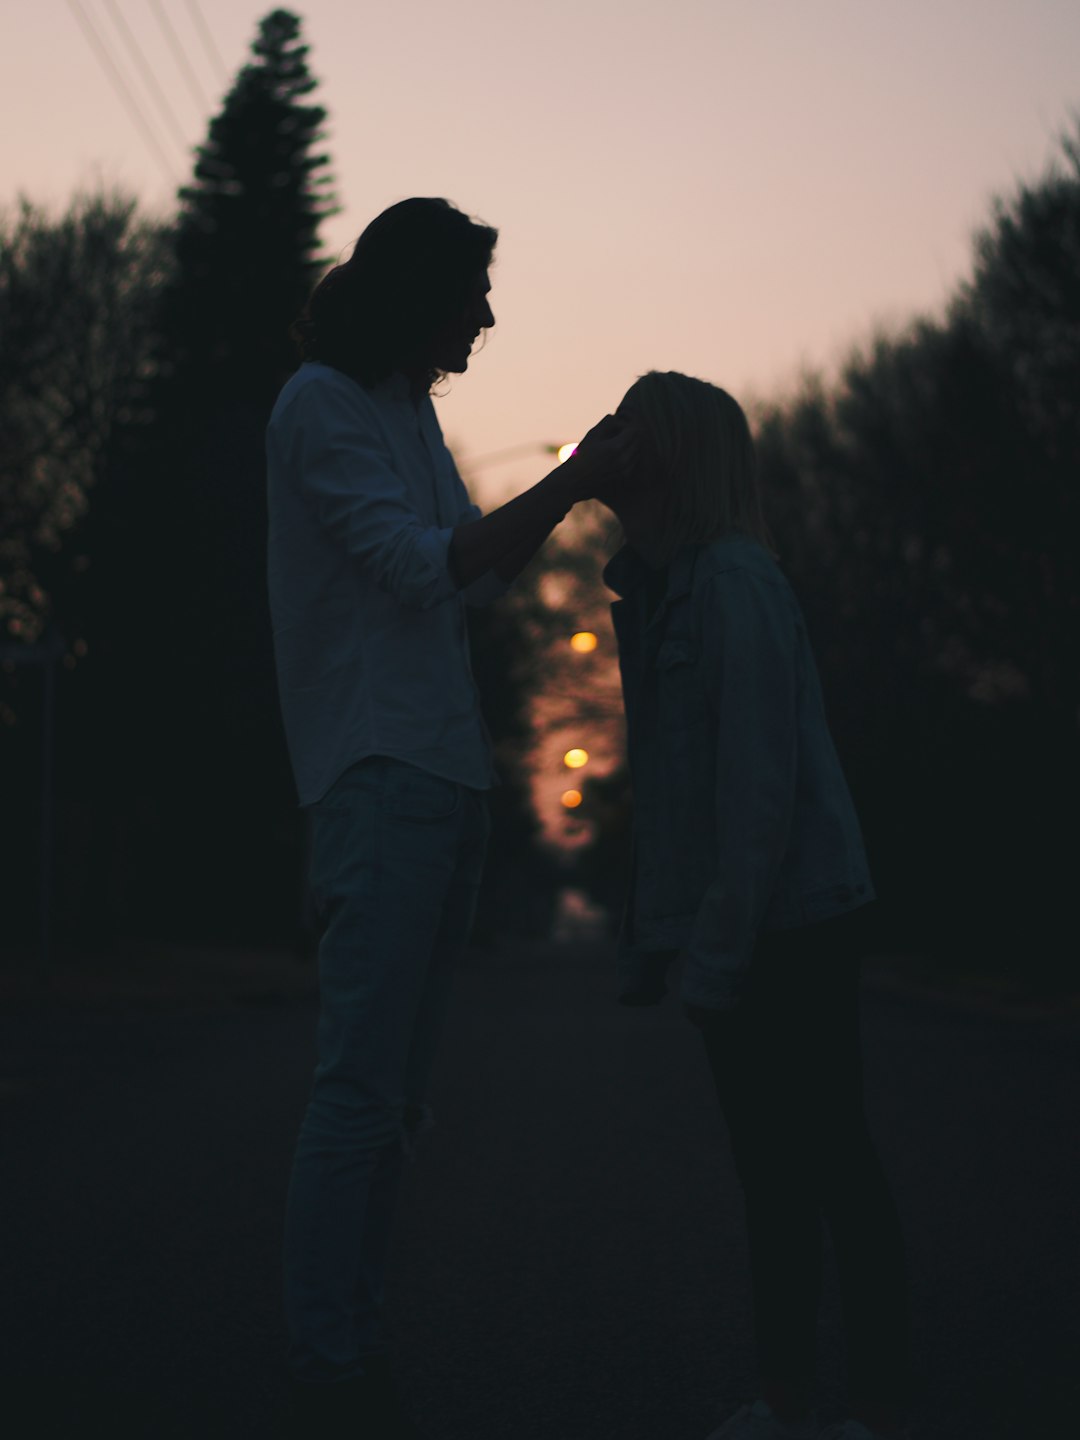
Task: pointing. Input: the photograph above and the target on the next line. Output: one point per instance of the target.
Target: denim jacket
(742, 817)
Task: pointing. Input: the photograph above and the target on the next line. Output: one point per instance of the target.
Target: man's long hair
(702, 441)
(407, 280)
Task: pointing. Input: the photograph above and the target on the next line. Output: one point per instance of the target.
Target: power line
(120, 86)
(180, 57)
(207, 39)
(149, 78)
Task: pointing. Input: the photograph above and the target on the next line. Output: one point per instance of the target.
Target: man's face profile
(451, 349)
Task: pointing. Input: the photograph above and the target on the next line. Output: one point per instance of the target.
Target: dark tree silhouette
(926, 509)
(220, 836)
(78, 299)
(1024, 300)
(247, 236)
(1025, 295)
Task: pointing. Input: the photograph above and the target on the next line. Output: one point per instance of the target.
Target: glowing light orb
(583, 642)
(565, 451)
(575, 759)
(571, 799)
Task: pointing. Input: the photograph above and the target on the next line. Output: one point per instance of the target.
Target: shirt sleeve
(748, 645)
(489, 586)
(347, 473)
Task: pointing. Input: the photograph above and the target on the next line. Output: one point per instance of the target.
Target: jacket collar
(626, 571)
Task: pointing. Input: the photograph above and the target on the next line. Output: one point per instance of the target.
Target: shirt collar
(395, 387)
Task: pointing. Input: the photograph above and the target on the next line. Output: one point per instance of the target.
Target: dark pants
(788, 1070)
(397, 860)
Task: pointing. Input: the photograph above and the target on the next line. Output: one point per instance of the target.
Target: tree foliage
(226, 851)
(78, 295)
(247, 236)
(153, 381)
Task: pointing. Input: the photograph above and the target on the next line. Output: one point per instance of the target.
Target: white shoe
(757, 1422)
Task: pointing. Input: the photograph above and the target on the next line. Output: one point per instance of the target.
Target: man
(374, 548)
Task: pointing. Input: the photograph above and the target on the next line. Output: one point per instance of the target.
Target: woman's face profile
(648, 469)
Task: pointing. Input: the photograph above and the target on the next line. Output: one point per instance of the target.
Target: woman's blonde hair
(708, 469)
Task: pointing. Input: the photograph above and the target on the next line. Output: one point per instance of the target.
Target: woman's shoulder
(740, 575)
(736, 554)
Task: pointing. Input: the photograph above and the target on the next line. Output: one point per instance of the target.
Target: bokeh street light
(576, 758)
(571, 799)
(583, 642)
(513, 452)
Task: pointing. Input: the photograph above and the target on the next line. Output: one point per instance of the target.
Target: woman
(749, 864)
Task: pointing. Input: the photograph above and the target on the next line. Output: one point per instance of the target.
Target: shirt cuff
(433, 582)
(485, 589)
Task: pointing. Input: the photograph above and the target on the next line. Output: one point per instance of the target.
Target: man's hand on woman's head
(604, 460)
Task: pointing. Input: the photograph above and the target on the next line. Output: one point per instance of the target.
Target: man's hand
(605, 459)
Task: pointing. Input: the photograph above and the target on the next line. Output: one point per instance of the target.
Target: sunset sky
(734, 188)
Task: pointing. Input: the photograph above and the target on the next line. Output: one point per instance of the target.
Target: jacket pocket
(680, 693)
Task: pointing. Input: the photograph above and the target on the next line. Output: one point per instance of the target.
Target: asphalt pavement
(568, 1262)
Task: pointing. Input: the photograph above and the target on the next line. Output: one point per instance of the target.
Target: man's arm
(514, 561)
(506, 539)
(358, 497)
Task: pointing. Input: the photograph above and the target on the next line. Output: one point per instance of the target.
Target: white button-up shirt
(370, 642)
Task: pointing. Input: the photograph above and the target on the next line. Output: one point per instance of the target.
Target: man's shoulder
(313, 385)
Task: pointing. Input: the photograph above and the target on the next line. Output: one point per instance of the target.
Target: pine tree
(208, 752)
(247, 235)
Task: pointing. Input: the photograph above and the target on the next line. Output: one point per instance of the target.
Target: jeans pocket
(357, 785)
(416, 794)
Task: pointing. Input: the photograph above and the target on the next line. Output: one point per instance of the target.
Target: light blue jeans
(396, 864)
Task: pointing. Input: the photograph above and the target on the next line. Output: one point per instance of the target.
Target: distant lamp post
(583, 642)
(571, 799)
(575, 759)
(513, 452)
